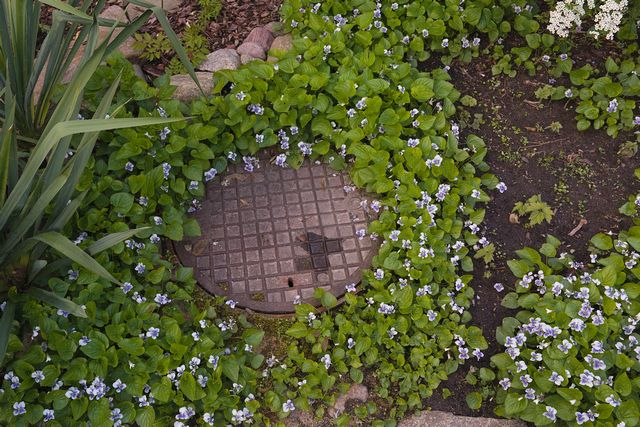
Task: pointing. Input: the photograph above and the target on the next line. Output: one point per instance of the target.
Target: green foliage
(38, 198)
(544, 92)
(72, 29)
(468, 101)
(349, 94)
(604, 97)
(555, 127)
(606, 101)
(152, 294)
(209, 9)
(194, 40)
(628, 149)
(537, 210)
(263, 99)
(474, 400)
(152, 46)
(147, 366)
(196, 46)
(630, 208)
(486, 253)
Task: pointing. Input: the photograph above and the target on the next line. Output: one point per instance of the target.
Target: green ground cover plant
(142, 342)
(604, 96)
(127, 185)
(349, 93)
(571, 351)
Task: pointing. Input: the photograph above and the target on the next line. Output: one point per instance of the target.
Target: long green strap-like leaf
(7, 138)
(112, 239)
(73, 92)
(128, 31)
(33, 213)
(57, 224)
(177, 46)
(67, 248)
(57, 301)
(66, 112)
(5, 327)
(60, 5)
(60, 48)
(63, 218)
(50, 54)
(35, 268)
(79, 161)
(59, 131)
(18, 38)
(41, 278)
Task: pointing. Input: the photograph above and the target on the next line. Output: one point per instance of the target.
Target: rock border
(262, 43)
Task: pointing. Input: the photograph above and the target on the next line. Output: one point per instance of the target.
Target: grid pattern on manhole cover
(276, 234)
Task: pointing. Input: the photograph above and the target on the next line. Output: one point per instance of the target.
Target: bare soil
(579, 174)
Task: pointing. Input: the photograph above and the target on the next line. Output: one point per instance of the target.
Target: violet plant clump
(571, 353)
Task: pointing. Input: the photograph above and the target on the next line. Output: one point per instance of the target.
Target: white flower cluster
(609, 17)
(568, 14)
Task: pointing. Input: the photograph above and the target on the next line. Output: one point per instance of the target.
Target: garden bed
(226, 29)
(115, 330)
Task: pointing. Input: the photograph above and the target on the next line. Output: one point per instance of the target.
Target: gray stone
(282, 43)
(128, 50)
(115, 13)
(252, 49)
(187, 89)
(276, 28)
(357, 392)
(260, 36)
(222, 59)
(139, 72)
(446, 419)
(245, 59)
(133, 11)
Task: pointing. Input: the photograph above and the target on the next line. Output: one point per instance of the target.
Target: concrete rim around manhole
(274, 234)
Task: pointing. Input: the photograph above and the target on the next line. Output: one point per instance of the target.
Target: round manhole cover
(270, 237)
